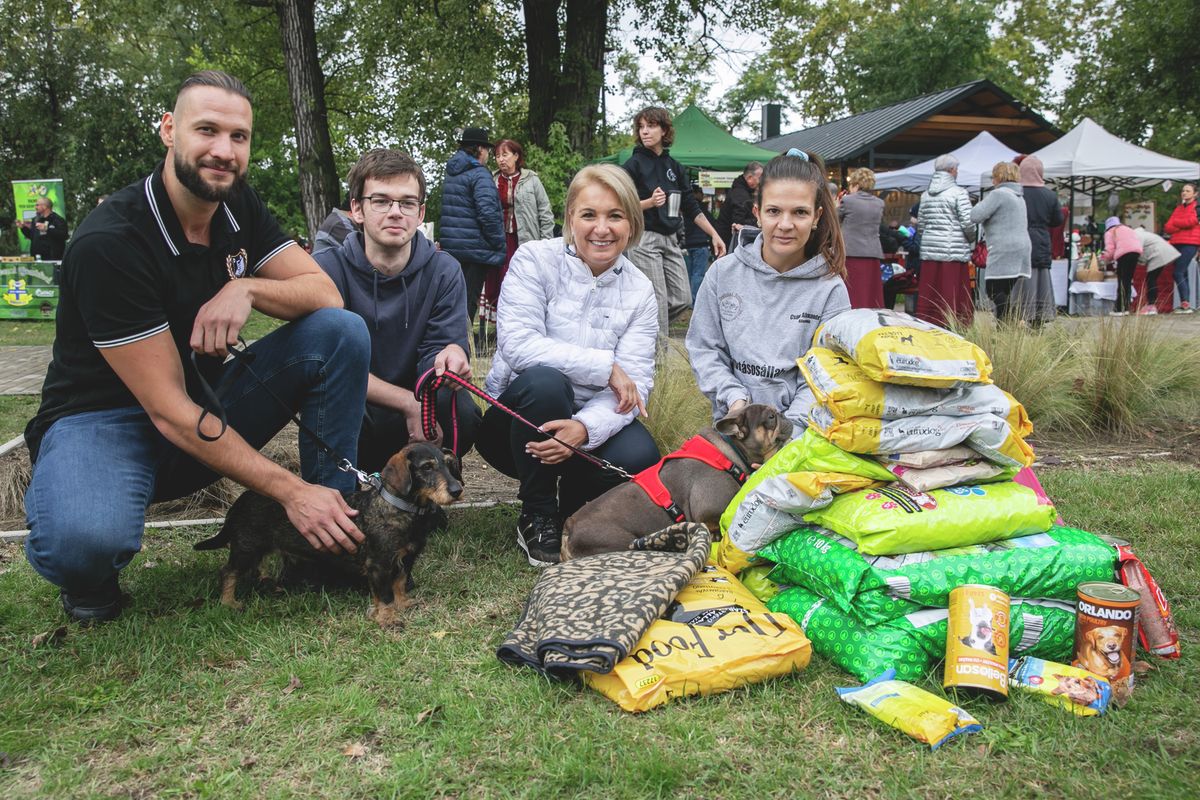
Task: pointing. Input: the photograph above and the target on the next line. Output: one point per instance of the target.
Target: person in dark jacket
(46, 232)
(334, 229)
(655, 174)
(697, 245)
(413, 299)
(471, 227)
(738, 208)
(1044, 212)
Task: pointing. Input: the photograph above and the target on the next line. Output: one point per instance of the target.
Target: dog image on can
(980, 637)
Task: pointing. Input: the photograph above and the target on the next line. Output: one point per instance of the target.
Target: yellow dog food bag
(715, 636)
(847, 392)
(895, 348)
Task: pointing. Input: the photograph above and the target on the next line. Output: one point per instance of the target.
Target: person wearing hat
(1122, 247)
(471, 228)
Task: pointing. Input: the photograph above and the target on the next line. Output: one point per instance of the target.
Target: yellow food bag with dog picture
(848, 392)
(715, 636)
(896, 348)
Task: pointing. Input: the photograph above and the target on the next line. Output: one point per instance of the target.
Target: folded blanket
(588, 613)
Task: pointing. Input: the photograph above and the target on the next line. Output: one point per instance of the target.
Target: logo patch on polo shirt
(235, 264)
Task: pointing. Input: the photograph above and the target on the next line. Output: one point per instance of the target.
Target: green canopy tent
(701, 143)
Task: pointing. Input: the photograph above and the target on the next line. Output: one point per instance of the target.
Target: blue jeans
(1186, 253)
(697, 265)
(97, 472)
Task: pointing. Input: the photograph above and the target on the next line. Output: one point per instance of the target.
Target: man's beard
(189, 176)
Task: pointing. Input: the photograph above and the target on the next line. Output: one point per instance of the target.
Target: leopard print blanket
(587, 614)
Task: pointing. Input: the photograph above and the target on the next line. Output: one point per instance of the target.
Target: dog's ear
(453, 464)
(396, 475)
(734, 424)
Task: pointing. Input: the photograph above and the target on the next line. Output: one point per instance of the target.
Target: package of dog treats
(913, 643)
(842, 387)
(1156, 623)
(715, 636)
(920, 714)
(968, 472)
(875, 589)
(889, 520)
(987, 434)
(924, 459)
(1077, 690)
(896, 348)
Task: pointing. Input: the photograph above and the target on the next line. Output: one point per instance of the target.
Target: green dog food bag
(875, 589)
(912, 644)
(808, 453)
(889, 520)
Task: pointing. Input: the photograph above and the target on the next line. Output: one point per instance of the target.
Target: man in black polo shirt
(168, 268)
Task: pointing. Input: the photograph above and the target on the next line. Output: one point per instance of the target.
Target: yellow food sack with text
(715, 636)
(848, 392)
(896, 348)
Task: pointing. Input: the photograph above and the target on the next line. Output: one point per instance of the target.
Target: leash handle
(426, 390)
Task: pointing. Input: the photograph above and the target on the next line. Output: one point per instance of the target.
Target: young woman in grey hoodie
(758, 308)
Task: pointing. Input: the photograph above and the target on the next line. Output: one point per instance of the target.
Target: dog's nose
(456, 490)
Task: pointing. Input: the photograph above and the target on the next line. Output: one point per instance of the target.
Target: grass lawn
(182, 698)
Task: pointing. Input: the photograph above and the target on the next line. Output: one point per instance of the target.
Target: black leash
(244, 357)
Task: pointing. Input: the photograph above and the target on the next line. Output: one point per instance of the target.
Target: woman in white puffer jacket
(577, 329)
(944, 283)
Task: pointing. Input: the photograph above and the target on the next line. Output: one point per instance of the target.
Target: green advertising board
(27, 290)
(27, 193)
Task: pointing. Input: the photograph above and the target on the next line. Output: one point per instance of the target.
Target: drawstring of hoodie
(375, 298)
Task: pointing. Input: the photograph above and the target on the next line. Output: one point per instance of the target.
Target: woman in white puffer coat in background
(944, 218)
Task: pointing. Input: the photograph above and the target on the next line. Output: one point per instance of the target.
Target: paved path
(23, 368)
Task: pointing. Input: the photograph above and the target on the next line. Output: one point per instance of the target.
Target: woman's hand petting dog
(571, 431)
(626, 391)
(323, 518)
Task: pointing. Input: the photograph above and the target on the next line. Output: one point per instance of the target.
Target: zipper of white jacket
(584, 339)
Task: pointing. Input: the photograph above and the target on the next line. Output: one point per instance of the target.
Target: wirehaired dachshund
(396, 520)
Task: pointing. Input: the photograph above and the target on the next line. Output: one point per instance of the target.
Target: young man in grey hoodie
(413, 298)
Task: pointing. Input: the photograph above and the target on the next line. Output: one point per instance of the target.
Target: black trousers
(474, 273)
(385, 430)
(1126, 264)
(542, 394)
(1002, 292)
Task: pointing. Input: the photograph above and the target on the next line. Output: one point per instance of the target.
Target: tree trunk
(583, 71)
(565, 82)
(319, 187)
(543, 51)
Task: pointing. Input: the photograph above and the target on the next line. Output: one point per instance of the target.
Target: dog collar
(400, 502)
(391, 499)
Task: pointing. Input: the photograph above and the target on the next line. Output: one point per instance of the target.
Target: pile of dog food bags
(910, 481)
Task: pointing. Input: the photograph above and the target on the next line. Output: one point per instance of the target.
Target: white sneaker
(1148, 311)
(1118, 313)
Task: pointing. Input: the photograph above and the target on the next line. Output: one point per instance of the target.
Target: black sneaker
(540, 536)
(99, 605)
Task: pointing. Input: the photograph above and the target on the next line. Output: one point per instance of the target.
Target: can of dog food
(977, 640)
(1105, 628)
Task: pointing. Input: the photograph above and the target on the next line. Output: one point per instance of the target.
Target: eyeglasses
(382, 204)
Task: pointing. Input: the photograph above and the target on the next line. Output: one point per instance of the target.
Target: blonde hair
(617, 181)
(1005, 172)
(863, 178)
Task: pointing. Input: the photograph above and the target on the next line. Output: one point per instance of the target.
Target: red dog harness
(697, 448)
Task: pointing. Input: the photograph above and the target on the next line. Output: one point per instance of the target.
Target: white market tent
(1089, 159)
(975, 161)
